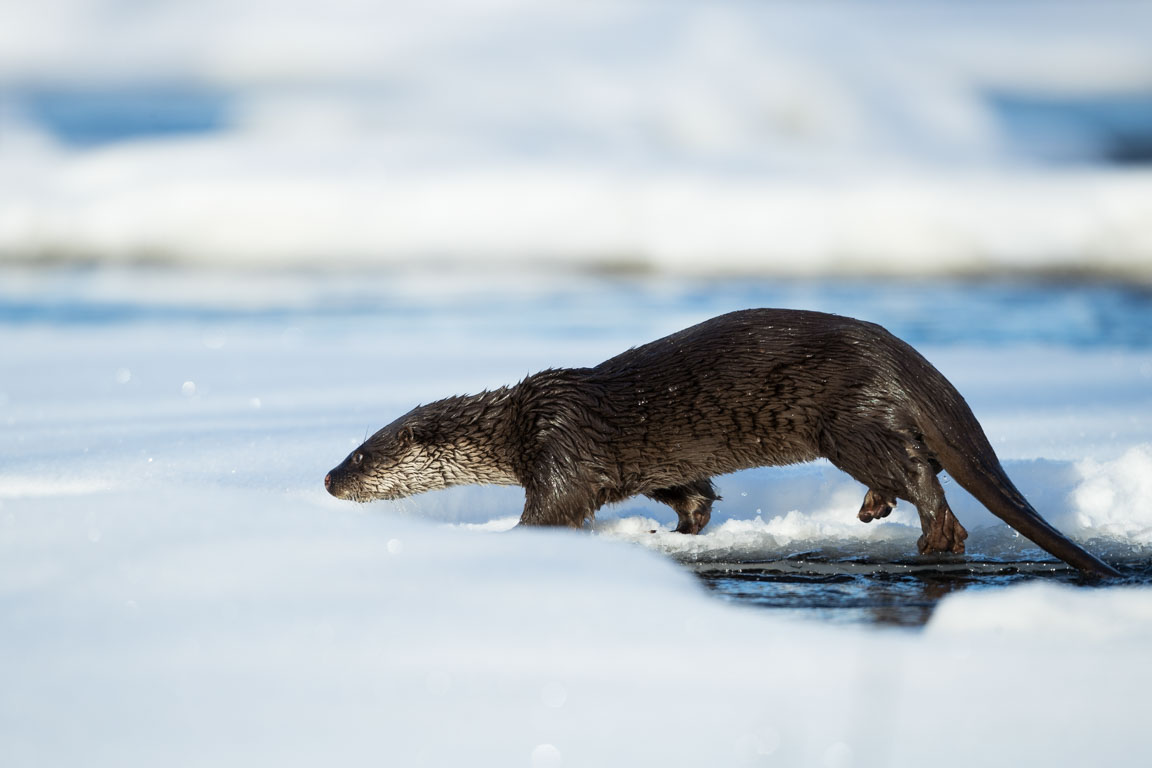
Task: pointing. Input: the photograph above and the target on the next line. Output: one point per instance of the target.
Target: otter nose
(328, 480)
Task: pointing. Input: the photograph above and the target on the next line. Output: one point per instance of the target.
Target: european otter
(759, 387)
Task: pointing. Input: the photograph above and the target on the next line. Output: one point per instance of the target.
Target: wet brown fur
(759, 387)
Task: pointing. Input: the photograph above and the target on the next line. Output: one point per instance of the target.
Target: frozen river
(175, 581)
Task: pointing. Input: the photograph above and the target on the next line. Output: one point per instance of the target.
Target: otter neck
(477, 446)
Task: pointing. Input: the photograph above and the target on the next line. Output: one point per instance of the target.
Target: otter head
(402, 459)
(433, 446)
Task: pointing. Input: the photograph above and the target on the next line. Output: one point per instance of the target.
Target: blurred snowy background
(738, 136)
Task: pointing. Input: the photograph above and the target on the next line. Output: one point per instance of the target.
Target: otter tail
(964, 450)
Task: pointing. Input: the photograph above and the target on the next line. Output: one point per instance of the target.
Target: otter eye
(357, 458)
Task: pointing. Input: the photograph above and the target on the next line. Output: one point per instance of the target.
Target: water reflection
(897, 594)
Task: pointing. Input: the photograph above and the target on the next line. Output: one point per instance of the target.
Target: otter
(757, 387)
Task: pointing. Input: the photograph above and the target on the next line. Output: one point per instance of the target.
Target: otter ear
(406, 435)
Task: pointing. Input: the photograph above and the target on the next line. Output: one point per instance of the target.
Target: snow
(685, 137)
(1061, 615)
(235, 628)
(382, 203)
(1111, 496)
(238, 200)
(176, 587)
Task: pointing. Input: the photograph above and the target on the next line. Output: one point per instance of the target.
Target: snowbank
(1105, 504)
(228, 202)
(190, 627)
(201, 629)
(698, 137)
(1116, 497)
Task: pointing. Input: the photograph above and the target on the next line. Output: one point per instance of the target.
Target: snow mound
(241, 628)
(1048, 613)
(736, 540)
(1114, 498)
(1106, 504)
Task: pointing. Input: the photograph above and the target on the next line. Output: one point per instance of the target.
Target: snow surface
(176, 587)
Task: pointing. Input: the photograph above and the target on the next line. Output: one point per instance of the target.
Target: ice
(177, 588)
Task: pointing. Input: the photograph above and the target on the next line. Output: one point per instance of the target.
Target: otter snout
(336, 483)
(329, 487)
(349, 480)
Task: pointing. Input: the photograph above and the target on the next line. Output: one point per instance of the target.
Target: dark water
(88, 115)
(1113, 127)
(894, 593)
